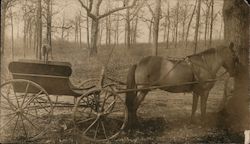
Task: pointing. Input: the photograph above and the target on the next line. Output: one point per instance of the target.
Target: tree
(157, 12)
(176, 23)
(207, 12)
(197, 25)
(5, 5)
(12, 33)
(93, 12)
(236, 30)
(211, 23)
(39, 29)
(49, 22)
(189, 23)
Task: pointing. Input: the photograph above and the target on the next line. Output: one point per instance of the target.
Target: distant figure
(46, 49)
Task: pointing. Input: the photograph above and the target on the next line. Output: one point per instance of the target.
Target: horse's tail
(131, 85)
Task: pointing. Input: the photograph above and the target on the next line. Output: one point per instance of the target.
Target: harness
(188, 61)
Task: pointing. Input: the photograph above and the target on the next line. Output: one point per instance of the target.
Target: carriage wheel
(100, 115)
(25, 111)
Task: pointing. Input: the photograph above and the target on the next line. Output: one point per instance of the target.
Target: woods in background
(98, 22)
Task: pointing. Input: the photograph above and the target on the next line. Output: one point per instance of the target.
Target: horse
(46, 49)
(190, 74)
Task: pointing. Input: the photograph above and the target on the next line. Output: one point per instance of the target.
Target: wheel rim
(100, 115)
(26, 110)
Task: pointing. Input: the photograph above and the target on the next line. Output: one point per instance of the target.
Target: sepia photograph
(125, 72)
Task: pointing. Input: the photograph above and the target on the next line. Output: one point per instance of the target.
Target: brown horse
(159, 71)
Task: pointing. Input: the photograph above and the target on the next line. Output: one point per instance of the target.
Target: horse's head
(230, 59)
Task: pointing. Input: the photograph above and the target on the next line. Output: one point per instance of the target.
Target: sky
(71, 8)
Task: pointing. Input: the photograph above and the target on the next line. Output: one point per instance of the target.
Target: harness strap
(188, 61)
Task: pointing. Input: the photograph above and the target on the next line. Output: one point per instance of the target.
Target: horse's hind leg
(194, 106)
(140, 97)
(132, 109)
(203, 105)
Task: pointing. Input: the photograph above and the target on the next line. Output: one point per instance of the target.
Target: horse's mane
(206, 52)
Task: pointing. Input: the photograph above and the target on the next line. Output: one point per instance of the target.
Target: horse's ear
(231, 46)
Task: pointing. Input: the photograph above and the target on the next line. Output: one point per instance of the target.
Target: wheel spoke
(30, 122)
(25, 132)
(104, 130)
(10, 103)
(41, 105)
(15, 126)
(26, 93)
(109, 106)
(96, 130)
(6, 123)
(18, 105)
(33, 115)
(90, 126)
(6, 108)
(88, 119)
(32, 99)
(6, 115)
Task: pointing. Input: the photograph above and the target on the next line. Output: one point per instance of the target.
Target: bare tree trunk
(165, 29)
(176, 25)
(80, 31)
(100, 35)
(150, 31)
(4, 6)
(34, 39)
(184, 24)
(117, 30)
(87, 21)
(39, 26)
(30, 35)
(62, 31)
(206, 23)
(135, 30)
(197, 26)
(156, 27)
(94, 37)
(49, 22)
(220, 33)
(236, 29)
(127, 26)
(12, 34)
(168, 33)
(3, 14)
(189, 23)
(211, 23)
(25, 37)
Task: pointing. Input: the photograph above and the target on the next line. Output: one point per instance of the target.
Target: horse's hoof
(192, 121)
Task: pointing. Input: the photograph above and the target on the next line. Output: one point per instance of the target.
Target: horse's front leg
(203, 105)
(194, 106)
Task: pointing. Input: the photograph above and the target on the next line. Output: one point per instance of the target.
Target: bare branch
(88, 9)
(150, 9)
(117, 9)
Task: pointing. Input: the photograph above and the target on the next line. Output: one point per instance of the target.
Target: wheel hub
(19, 111)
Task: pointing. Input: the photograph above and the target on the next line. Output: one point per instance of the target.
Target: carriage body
(52, 76)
